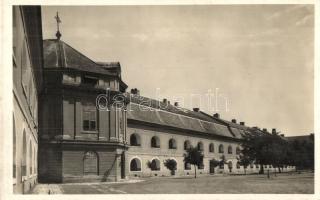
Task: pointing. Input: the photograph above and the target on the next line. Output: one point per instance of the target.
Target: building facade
(79, 141)
(158, 131)
(27, 84)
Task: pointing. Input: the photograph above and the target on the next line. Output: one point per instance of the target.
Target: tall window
(211, 148)
(200, 146)
(221, 148)
(135, 165)
(172, 144)
(230, 150)
(89, 117)
(155, 142)
(238, 150)
(187, 166)
(238, 165)
(155, 165)
(30, 158)
(135, 140)
(24, 156)
(187, 145)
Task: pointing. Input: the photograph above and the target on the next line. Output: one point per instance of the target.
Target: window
(155, 142)
(89, 118)
(230, 150)
(155, 165)
(90, 81)
(25, 68)
(135, 140)
(30, 158)
(24, 156)
(135, 165)
(90, 163)
(187, 166)
(211, 148)
(238, 150)
(200, 146)
(251, 165)
(221, 148)
(238, 165)
(172, 144)
(257, 166)
(187, 145)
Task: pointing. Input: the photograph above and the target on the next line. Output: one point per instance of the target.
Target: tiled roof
(148, 110)
(59, 54)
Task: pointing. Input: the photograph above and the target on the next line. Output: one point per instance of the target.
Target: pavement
(58, 188)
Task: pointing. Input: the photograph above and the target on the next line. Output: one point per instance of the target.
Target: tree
(245, 161)
(171, 164)
(264, 148)
(194, 157)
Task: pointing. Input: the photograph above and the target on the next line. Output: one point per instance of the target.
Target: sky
(253, 63)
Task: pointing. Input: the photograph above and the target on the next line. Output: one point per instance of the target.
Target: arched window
(238, 165)
(200, 146)
(238, 150)
(187, 145)
(30, 158)
(187, 166)
(155, 165)
(90, 163)
(155, 142)
(221, 148)
(135, 140)
(172, 144)
(135, 165)
(211, 148)
(24, 154)
(230, 150)
(14, 148)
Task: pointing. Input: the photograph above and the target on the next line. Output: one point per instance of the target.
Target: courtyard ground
(285, 183)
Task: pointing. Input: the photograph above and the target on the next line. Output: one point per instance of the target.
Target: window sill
(89, 132)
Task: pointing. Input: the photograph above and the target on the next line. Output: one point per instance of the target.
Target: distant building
(27, 84)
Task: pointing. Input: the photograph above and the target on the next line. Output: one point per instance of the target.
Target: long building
(81, 142)
(27, 85)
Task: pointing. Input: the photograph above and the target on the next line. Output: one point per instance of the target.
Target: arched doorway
(90, 163)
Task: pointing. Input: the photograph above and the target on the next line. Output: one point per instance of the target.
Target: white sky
(259, 56)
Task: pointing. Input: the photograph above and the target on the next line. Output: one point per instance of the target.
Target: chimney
(196, 109)
(165, 101)
(242, 123)
(274, 131)
(234, 121)
(176, 104)
(168, 102)
(265, 130)
(135, 91)
(216, 115)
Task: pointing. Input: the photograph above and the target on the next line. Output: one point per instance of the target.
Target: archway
(135, 165)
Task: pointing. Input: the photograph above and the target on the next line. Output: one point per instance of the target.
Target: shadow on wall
(107, 173)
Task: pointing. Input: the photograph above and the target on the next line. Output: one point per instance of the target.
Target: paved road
(282, 184)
